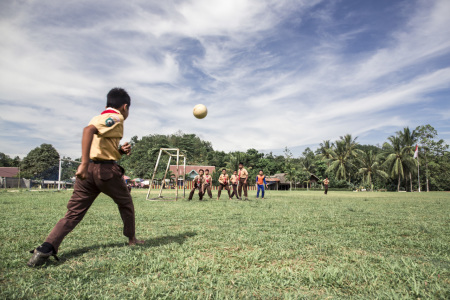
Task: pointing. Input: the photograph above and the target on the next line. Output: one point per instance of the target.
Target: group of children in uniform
(238, 181)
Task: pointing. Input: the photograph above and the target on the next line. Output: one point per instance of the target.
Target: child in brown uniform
(98, 172)
(223, 181)
(199, 180)
(234, 183)
(207, 185)
(326, 182)
(243, 176)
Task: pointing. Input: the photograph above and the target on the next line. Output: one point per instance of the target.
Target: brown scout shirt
(224, 179)
(326, 181)
(234, 179)
(199, 180)
(243, 173)
(105, 144)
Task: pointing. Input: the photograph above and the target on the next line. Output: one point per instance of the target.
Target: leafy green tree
(430, 150)
(342, 162)
(408, 138)
(324, 151)
(398, 159)
(41, 163)
(370, 167)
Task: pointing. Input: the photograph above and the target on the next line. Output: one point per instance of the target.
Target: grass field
(291, 245)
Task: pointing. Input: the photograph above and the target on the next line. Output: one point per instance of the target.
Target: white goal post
(171, 152)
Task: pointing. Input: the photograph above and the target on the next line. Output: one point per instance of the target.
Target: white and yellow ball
(200, 111)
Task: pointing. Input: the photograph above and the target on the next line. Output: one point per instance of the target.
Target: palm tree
(324, 151)
(342, 163)
(350, 145)
(370, 167)
(398, 159)
(408, 139)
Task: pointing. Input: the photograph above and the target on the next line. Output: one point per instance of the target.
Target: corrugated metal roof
(8, 171)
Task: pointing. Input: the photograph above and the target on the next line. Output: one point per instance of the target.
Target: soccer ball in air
(200, 111)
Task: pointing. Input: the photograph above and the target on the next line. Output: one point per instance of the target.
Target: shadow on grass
(155, 242)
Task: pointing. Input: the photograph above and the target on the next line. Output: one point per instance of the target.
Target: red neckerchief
(239, 176)
(109, 111)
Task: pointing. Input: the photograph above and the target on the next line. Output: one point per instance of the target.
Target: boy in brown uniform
(199, 180)
(234, 184)
(98, 172)
(207, 185)
(223, 181)
(326, 182)
(242, 178)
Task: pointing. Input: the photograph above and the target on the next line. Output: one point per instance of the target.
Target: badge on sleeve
(109, 122)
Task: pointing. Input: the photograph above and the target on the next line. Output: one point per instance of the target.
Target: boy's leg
(240, 190)
(257, 191)
(263, 188)
(208, 189)
(191, 194)
(245, 186)
(227, 187)
(118, 191)
(82, 198)
(220, 191)
(200, 192)
(235, 193)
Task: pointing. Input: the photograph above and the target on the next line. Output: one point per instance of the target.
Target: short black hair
(224, 169)
(261, 171)
(241, 164)
(206, 170)
(117, 97)
(201, 170)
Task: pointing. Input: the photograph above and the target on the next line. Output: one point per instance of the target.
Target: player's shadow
(155, 242)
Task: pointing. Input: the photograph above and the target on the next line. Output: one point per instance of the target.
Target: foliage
(6, 161)
(347, 163)
(41, 163)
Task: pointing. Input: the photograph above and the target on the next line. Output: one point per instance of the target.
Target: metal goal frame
(171, 152)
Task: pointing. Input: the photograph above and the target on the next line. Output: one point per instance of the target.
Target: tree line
(346, 163)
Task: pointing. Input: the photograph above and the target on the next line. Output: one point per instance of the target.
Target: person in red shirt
(199, 181)
(207, 185)
(223, 183)
(261, 183)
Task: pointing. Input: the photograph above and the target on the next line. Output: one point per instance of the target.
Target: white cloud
(269, 72)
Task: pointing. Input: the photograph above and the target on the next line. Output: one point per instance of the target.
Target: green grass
(291, 245)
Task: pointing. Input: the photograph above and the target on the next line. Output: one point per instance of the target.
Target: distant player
(199, 180)
(260, 183)
(326, 182)
(207, 185)
(234, 183)
(242, 178)
(97, 173)
(223, 183)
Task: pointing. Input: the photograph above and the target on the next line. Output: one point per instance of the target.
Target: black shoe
(39, 258)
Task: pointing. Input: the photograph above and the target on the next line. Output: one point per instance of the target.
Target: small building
(9, 178)
(191, 171)
(278, 182)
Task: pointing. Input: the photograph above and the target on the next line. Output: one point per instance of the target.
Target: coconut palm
(370, 167)
(341, 161)
(408, 138)
(324, 151)
(398, 159)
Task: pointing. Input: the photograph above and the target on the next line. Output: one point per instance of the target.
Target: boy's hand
(82, 171)
(126, 148)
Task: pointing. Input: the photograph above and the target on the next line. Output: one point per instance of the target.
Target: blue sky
(272, 73)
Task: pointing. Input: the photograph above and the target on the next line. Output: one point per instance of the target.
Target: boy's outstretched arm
(86, 141)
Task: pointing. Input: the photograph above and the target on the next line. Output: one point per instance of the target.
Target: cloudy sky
(272, 73)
